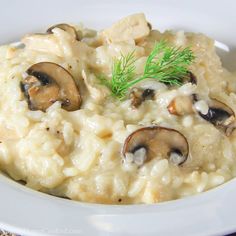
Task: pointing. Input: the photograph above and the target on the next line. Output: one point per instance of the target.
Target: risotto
(66, 129)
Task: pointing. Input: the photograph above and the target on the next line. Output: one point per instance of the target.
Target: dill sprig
(122, 73)
(165, 63)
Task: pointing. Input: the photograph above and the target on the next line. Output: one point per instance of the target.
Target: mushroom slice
(220, 115)
(156, 141)
(47, 83)
(68, 28)
(181, 105)
(149, 25)
(191, 78)
(138, 95)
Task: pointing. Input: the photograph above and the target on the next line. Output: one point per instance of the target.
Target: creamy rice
(78, 154)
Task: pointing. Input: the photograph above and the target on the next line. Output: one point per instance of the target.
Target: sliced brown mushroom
(191, 78)
(149, 25)
(68, 28)
(155, 141)
(220, 115)
(181, 105)
(47, 83)
(138, 95)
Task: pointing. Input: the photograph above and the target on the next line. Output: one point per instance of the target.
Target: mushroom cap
(158, 142)
(47, 83)
(139, 95)
(192, 78)
(219, 114)
(68, 28)
(136, 97)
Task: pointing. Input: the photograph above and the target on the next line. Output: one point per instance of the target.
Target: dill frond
(122, 73)
(165, 63)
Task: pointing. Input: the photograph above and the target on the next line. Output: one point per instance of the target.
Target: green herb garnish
(167, 64)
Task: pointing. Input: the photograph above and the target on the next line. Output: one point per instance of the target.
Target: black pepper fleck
(47, 128)
(119, 200)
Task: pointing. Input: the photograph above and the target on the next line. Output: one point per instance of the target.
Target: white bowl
(28, 212)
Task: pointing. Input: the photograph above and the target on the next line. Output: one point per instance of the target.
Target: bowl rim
(213, 199)
(25, 209)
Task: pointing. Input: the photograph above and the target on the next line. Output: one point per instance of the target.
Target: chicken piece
(61, 44)
(133, 27)
(43, 42)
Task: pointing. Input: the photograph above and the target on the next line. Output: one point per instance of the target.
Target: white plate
(27, 212)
